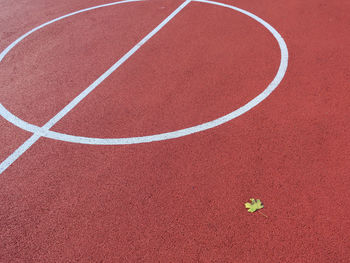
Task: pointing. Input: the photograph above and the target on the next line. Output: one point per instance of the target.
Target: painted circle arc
(163, 136)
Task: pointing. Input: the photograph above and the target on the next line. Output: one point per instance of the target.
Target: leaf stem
(263, 214)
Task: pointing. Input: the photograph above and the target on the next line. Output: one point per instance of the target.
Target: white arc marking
(45, 132)
(27, 144)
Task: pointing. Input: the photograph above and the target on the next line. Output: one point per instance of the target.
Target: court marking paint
(45, 132)
(42, 131)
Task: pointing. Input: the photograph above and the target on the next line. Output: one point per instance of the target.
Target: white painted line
(97, 82)
(16, 154)
(178, 133)
(42, 131)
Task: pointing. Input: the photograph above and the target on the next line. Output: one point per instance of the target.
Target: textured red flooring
(68, 61)
(201, 56)
(180, 200)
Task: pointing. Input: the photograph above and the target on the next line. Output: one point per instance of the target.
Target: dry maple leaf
(254, 205)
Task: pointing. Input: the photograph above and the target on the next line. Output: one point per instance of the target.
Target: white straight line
(27, 144)
(97, 82)
(177, 133)
(20, 150)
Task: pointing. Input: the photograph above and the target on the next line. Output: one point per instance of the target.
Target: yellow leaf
(254, 205)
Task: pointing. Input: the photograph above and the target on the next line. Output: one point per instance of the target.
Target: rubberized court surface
(135, 131)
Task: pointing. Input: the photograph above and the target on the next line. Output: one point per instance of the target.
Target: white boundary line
(45, 132)
(175, 134)
(37, 134)
(18, 152)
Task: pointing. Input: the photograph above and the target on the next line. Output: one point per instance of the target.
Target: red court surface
(182, 199)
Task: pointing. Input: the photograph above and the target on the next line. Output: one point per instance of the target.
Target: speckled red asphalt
(179, 200)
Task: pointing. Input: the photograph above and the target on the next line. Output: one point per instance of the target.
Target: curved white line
(43, 131)
(39, 132)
